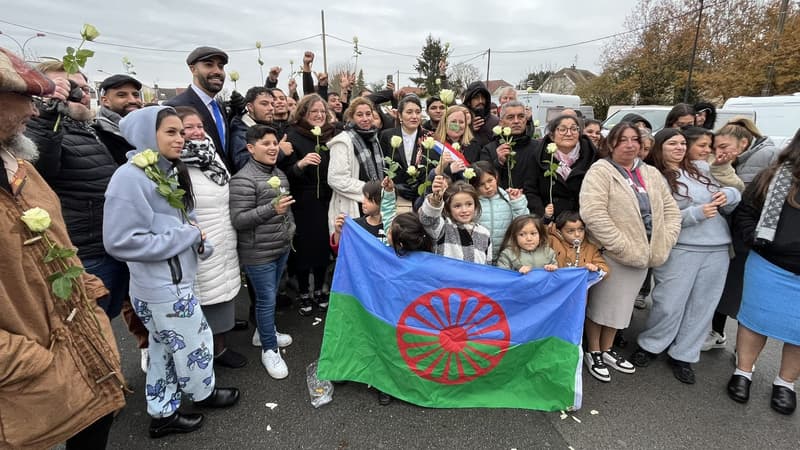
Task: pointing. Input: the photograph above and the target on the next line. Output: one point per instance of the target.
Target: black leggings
(319, 278)
(718, 322)
(93, 437)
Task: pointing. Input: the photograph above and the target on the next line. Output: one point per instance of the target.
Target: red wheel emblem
(452, 335)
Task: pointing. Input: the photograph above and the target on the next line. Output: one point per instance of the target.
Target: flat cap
(204, 53)
(18, 76)
(115, 81)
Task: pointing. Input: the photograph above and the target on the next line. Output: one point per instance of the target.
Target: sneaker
(597, 368)
(682, 371)
(272, 361)
(145, 360)
(642, 358)
(321, 299)
(714, 340)
(284, 340)
(617, 361)
(640, 302)
(306, 306)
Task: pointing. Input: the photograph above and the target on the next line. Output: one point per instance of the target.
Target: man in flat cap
(60, 376)
(119, 95)
(207, 65)
(78, 166)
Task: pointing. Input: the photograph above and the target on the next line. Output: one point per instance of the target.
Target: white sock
(781, 382)
(748, 375)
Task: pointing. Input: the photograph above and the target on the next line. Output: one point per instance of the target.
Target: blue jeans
(115, 276)
(265, 279)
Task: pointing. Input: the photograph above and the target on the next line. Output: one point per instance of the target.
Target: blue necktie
(220, 124)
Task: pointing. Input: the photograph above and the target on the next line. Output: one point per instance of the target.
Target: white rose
(36, 219)
(396, 141)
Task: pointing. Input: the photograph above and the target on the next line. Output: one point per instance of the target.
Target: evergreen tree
(431, 64)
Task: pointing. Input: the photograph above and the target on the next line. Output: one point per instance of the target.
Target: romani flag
(444, 333)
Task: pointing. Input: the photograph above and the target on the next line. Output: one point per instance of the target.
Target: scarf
(303, 128)
(85, 126)
(777, 193)
(201, 154)
(634, 179)
(109, 115)
(370, 156)
(566, 160)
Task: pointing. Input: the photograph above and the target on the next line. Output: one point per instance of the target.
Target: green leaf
(84, 53)
(70, 51)
(164, 189)
(70, 65)
(54, 276)
(66, 252)
(51, 255)
(73, 272)
(62, 287)
(422, 187)
(323, 148)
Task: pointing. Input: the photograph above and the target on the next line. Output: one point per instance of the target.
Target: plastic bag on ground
(321, 391)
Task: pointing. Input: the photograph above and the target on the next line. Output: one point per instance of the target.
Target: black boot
(321, 299)
(176, 423)
(220, 398)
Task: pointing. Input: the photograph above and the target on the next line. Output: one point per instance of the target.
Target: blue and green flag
(443, 333)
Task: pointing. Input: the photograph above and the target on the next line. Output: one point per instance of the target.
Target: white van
(777, 117)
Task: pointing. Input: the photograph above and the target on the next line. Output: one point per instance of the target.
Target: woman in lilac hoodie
(150, 225)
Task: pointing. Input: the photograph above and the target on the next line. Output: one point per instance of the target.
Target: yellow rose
(428, 143)
(456, 146)
(89, 32)
(396, 141)
(507, 131)
(411, 171)
(145, 158)
(551, 148)
(536, 123)
(234, 75)
(447, 96)
(316, 131)
(529, 90)
(497, 130)
(274, 183)
(469, 173)
(36, 219)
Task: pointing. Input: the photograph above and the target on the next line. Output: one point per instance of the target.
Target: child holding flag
(451, 219)
(525, 246)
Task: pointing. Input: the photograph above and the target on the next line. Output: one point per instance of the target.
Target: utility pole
(694, 52)
(775, 43)
(488, 65)
(324, 46)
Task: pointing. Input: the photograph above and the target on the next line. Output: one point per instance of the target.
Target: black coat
(78, 167)
(565, 192)
(403, 185)
(521, 174)
(190, 98)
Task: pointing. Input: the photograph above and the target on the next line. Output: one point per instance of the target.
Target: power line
(152, 49)
(389, 52)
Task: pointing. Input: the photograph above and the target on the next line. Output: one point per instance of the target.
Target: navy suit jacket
(190, 98)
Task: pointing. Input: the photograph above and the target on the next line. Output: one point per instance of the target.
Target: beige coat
(343, 179)
(610, 210)
(56, 376)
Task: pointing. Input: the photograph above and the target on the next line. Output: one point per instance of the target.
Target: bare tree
(461, 75)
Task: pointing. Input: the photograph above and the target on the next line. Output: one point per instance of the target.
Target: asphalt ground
(648, 409)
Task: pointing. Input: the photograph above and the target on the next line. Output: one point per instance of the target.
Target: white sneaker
(596, 367)
(272, 361)
(714, 340)
(284, 340)
(145, 360)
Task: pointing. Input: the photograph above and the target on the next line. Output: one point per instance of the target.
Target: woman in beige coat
(630, 213)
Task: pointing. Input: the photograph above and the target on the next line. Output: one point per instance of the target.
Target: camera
(75, 92)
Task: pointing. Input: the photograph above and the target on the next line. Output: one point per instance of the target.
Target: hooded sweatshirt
(484, 134)
(142, 229)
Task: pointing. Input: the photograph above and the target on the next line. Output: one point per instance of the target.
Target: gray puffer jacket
(263, 234)
(762, 153)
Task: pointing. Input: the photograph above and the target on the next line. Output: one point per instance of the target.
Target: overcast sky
(167, 33)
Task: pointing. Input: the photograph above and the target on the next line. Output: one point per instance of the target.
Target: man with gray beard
(60, 376)
(78, 167)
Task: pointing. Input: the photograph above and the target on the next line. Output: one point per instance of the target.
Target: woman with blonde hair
(454, 128)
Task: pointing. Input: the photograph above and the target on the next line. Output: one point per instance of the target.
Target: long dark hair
(408, 235)
(678, 111)
(790, 154)
(510, 238)
(184, 181)
(656, 158)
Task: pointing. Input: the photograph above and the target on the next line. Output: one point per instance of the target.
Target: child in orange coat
(567, 236)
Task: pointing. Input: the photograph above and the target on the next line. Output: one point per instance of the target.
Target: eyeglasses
(565, 130)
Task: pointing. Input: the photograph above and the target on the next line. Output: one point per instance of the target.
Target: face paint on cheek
(452, 126)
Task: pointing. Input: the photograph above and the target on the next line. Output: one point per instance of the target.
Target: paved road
(649, 409)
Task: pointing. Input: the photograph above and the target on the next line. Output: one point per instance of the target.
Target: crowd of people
(171, 207)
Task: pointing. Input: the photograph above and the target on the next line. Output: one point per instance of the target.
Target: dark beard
(21, 147)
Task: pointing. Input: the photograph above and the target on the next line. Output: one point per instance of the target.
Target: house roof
(494, 85)
(576, 76)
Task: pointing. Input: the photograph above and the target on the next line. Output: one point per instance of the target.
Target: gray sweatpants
(686, 292)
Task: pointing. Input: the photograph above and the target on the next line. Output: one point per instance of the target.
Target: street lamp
(22, 46)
